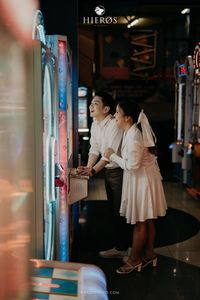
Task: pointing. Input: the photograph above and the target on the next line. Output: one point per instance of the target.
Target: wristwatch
(93, 171)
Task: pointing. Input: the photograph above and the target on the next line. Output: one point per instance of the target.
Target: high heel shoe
(127, 268)
(148, 261)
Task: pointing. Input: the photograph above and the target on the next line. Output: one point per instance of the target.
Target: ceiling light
(133, 23)
(185, 11)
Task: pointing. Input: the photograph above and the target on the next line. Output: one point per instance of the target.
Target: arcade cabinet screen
(82, 114)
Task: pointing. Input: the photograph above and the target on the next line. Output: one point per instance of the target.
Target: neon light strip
(196, 59)
(48, 209)
(180, 113)
(62, 73)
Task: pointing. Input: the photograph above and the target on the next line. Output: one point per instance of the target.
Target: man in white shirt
(105, 133)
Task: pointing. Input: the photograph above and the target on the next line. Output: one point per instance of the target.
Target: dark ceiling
(152, 13)
(142, 8)
(62, 14)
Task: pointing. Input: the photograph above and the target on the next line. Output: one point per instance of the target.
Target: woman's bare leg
(149, 247)
(139, 240)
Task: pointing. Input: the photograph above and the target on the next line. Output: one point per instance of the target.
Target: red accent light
(197, 59)
(62, 47)
(182, 69)
(59, 182)
(61, 44)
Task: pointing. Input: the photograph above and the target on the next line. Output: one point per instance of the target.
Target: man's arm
(92, 169)
(100, 165)
(92, 160)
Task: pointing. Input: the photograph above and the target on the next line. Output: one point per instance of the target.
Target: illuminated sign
(179, 70)
(182, 70)
(196, 59)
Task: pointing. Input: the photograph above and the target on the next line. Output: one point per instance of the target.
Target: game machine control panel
(78, 186)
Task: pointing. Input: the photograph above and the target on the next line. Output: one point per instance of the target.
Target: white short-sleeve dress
(142, 192)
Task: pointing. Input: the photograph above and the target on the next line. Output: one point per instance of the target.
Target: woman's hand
(108, 152)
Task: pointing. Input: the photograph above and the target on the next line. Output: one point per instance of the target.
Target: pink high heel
(128, 268)
(146, 262)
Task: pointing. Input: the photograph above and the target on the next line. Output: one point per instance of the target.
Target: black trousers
(122, 230)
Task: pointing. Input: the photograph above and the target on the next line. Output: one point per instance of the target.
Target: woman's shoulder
(134, 138)
(136, 133)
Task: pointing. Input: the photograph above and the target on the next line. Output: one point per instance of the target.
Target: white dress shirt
(106, 134)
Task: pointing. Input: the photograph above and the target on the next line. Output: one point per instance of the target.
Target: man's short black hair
(107, 100)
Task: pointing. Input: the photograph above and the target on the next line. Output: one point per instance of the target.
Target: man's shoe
(112, 253)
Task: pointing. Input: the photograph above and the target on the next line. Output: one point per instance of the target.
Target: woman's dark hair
(132, 109)
(107, 100)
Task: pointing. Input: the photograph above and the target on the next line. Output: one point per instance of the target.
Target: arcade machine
(69, 107)
(83, 128)
(51, 92)
(180, 85)
(182, 149)
(59, 45)
(43, 91)
(187, 147)
(73, 186)
(54, 279)
(187, 137)
(196, 121)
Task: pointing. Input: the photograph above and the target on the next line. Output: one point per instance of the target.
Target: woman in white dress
(143, 197)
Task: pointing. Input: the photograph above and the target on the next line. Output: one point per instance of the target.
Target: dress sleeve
(133, 157)
(94, 145)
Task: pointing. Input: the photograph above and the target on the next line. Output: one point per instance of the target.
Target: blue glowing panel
(64, 287)
(40, 296)
(43, 272)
